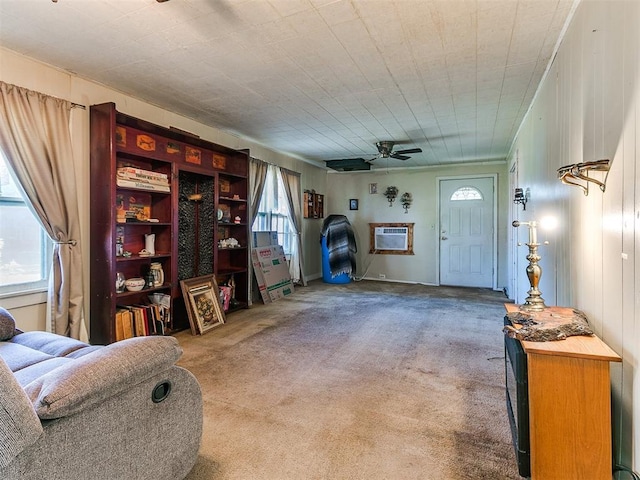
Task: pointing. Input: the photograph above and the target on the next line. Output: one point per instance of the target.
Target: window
(25, 249)
(273, 211)
(466, 193)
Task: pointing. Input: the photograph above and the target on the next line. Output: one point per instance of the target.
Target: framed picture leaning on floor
(202, 299)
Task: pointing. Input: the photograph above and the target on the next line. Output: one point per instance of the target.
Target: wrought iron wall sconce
(391, 193)
(406, 200)
(534, 302)
(578, 174)
(521, 197)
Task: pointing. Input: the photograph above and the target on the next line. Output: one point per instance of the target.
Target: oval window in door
(466, 193)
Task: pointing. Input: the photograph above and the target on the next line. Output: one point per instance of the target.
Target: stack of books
(131, 177)
(141, 320)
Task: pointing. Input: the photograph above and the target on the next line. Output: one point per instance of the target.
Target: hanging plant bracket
(391, 193)
(578, 174)
(406, 200)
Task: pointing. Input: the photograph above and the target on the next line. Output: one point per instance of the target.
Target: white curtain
(36, 139)
(291, 181)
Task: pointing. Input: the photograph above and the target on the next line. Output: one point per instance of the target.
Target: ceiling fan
(385, 150)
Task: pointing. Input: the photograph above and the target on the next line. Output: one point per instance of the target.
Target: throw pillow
(7, 325)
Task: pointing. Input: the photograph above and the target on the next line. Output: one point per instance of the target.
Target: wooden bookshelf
(119, 140)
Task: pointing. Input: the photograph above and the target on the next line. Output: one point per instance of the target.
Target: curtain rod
(73, 104)
(276, 165)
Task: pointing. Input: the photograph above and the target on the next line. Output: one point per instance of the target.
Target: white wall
(19, 70)
(422, 267)
(588, 109)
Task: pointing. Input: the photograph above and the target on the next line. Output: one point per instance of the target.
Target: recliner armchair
(69, 410)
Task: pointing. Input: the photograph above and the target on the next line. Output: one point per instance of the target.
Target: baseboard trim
(313, 276)
(390, 280)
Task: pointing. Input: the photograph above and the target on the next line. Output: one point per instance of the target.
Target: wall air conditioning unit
(391, 238)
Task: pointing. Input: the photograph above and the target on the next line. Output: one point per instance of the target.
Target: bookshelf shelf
(229, 199)
(144, 290)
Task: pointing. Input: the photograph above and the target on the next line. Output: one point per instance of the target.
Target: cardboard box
(263, 239)
(272, 272)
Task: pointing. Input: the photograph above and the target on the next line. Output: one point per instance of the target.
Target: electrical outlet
(382, 275)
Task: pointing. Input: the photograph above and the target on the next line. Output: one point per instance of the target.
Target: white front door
(466, 232)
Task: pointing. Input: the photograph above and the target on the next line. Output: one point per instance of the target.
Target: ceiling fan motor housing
(385, 148)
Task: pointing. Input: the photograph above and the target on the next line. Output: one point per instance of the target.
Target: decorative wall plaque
(145, 142)
(173, 147)
(193, 155)
(219, 161)
(121, 136)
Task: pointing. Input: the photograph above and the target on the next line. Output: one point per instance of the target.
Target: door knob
(443, 238)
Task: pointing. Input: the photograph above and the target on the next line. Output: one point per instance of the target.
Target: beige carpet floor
(368, 380)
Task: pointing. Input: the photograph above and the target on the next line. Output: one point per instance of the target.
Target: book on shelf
(139, 322)
(124, 325)
(126, 183)
(119, 326)
(142, 178)
(156, 324)
(132, 172)
(162, 302)
(150, 181)
(127, 324)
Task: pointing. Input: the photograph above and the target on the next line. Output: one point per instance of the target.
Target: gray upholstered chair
(69, 410)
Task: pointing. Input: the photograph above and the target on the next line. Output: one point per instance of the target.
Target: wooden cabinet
(569, 407)
(313, 206)
(204, 200)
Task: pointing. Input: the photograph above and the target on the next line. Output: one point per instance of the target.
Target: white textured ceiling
(318, 79)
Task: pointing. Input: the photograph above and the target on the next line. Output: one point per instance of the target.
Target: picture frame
(202, 300)
(353, 204)
(373, 188)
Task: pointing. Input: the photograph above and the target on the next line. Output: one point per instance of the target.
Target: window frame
(265, 218)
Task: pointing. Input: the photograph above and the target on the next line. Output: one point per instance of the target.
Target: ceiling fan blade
(409, 150)
(399, 157)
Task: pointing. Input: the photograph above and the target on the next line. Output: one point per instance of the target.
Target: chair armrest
(101, 374)
(20, 427)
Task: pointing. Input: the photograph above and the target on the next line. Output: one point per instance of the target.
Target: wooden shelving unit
(232, 262)
(186, 226)
(313, 205)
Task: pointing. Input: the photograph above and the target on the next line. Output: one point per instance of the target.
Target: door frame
(512, 236)
(494, 237)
